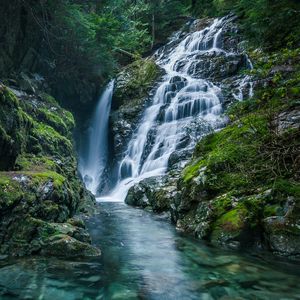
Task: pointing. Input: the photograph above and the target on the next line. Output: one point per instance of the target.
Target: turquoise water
(143, 257)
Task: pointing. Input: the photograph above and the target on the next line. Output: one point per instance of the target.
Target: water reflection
(145, 258)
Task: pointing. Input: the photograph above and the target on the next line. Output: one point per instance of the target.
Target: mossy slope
(242, 185)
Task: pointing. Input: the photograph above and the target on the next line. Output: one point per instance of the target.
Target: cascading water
(92, 165)
(180, 99)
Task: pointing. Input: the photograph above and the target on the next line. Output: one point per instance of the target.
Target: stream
(144, 257)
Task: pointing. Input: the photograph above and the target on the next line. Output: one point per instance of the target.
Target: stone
(66, 246)
(288, 120)
(156, 192)
(283, 235)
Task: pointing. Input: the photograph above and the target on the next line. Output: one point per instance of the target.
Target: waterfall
(181, 101)
(93, 162)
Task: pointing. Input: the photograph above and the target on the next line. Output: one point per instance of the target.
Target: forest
(149, 149)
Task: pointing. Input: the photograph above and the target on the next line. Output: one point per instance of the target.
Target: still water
(144, 257)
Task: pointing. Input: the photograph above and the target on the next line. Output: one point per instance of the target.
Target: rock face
(39, 188)
(134, 89)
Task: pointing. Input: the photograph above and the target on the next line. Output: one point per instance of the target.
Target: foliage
(271, 24)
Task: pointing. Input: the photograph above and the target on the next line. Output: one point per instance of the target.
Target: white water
(92, 165)
(180, 100)
(180, 104)
(244, 84)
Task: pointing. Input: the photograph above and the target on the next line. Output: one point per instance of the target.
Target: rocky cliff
(40, 193)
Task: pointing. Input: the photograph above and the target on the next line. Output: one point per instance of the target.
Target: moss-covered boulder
(64, 245)
(283, 235)
(154, 193)
(39, 188)
(230, 227)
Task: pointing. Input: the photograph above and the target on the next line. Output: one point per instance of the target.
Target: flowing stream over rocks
(187, 104)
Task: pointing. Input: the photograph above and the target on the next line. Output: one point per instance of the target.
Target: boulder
(156, 193)
(66, 246)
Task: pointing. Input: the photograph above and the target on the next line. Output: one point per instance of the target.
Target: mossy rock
(14, 128)
(230, 227)
(283, 235)
(64, 245)
(39, 186)
(10, 192)
(51, 142)
(134, 82)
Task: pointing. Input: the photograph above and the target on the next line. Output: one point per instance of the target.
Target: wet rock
(179, 158)
(283, 235)
(288, 120)
(131, 95)
(137, 196)
(156, 192)
(230, 228)
(64, 245)
(217, 67)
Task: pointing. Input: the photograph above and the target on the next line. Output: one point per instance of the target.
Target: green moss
(192, 170)
(60, 119)
(53, 119)
(221, 205)
(28, 162)
(48, 99)
(136, 80)
(51, 141)
(39, 178)
(272, 210)
(7, 97)
(233, 220)
(10, 191)
(287, 187)
(68, 119)
(228, 155)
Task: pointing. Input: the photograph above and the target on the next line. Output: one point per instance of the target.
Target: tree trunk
(153, 30)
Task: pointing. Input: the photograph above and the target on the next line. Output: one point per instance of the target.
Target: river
(144, 257)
